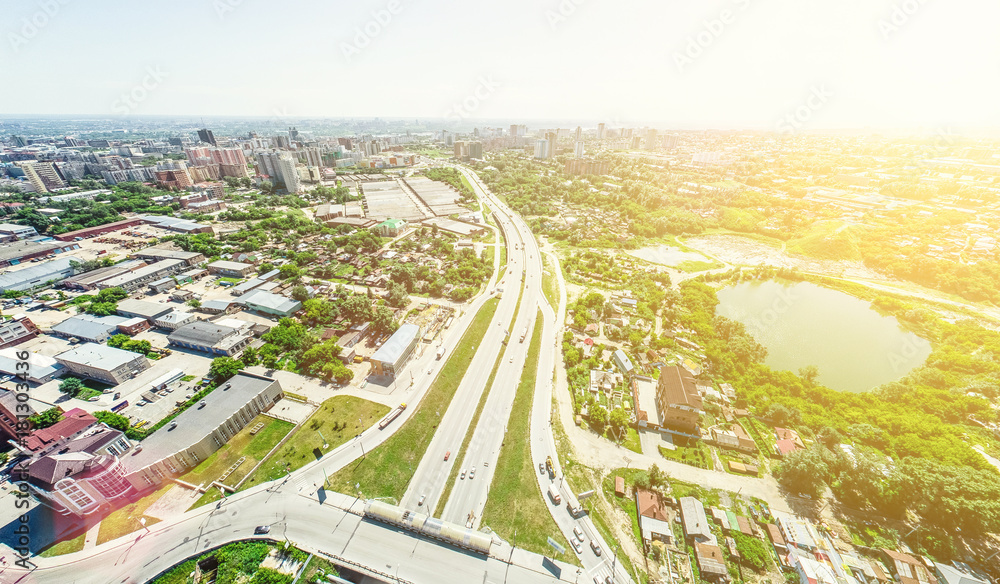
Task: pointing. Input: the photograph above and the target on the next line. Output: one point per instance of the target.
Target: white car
(578, 533)
(577, 546)
(462, 476)
(421, 501)
(472, 473)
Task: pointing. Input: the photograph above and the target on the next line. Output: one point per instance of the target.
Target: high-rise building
(313, 156)
(651, 139)
(541, 149)
(18, 141)
(578, 151)
(43, 176)
(600, 131)
(579, 134)
(288, 173)
(551, 137)
(460, 151)
(206, 136)
(513, 130)
(476, 150)
(293, 134)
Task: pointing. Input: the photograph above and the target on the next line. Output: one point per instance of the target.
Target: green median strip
(387, 470)
(453, 476)
(516, 504)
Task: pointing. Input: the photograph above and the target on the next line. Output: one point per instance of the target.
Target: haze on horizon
(734, 63)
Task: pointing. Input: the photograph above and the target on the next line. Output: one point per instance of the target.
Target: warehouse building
(201, 430)
(103, 363)
(390, 358)
(31, 277)
(17, 330)
(209, 337)
(156, 254)
(142, 309)
(268, 303)
(41, 368)
(135, 280)
(89, 328)
(11, 232)
(90, 280)
(99, 230)
(230, 269)
(174, 319)
(22, 251)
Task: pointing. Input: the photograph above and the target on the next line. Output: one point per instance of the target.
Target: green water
(854, 347)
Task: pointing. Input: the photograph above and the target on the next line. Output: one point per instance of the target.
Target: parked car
(595, 547)
(578, 532)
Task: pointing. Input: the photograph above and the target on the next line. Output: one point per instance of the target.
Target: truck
(554, 494)
(524, 334)
(392, 416)
(440, 353)
(549, 466)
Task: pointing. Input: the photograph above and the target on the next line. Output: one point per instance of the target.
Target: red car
(447, 454)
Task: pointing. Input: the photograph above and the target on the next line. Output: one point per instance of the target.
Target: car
(447, 455)
(578, 533)
(511, 358)
(609, 580)
(472, 473)
(577, 546)
(541, 468)
(262, 529)
(462, 476)
(597, 548)
(421, 501)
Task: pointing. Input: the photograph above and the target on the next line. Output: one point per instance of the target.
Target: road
(332, 526)
(431, 475)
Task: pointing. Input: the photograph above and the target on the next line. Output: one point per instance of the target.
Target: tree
(752, 552)
(249, 356)
(194, 303)
(397, 296)
(599, 415)
(809, 374)
(116, 421)
(357, 308)
(619, 420)
(300, 293)
(46, 418)
(289, 272)
(803, 471)
(828, 436)
(383, 321)
(71, 386)
(224, 367)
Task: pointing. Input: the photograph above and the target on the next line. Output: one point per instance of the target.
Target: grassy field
(126, 520)
(336, 419)
(386, 470)
(515, 502)
(699, 455)
(254, 448)
(550, 283)
(64, 547)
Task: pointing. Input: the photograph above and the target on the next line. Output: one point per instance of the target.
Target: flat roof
(227, 265)
(143, 308)
(195, 423)
(98, 356)
(143, 272)
(393, 348)
(20, 249)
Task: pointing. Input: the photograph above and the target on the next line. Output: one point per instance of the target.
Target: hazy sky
(734, 63)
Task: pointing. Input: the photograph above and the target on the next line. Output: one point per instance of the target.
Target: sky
(762, 64)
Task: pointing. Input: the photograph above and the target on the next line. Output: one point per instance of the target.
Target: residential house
(678, 401)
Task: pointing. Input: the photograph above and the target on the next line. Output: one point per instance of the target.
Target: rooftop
(678, 387)
(393, 348)
(142, 308)
(98, 356)
(202, 333)
(195, 423)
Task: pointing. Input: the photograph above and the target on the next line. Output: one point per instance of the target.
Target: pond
(854, 347)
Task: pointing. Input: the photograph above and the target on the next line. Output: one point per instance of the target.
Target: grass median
(387, 470)
(515, 503)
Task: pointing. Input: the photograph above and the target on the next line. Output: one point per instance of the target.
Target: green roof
(393, 223)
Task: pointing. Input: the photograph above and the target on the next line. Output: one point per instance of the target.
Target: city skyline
(734, 64)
